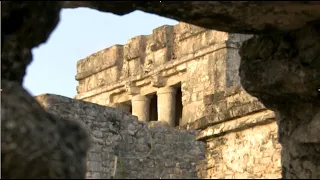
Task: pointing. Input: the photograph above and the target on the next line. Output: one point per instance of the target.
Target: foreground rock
(282, 71)
(250, 17)
(26, 25)
(35, 144)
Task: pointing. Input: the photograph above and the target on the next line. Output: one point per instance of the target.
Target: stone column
(166, 105)
(140, 107)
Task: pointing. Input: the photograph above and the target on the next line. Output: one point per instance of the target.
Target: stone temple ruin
(279, 66)
(190, 116)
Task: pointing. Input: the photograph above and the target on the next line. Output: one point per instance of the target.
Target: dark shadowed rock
(36, 144)
(280, 67)
(252, 17)
(24, 25)
(27, 24)
(282, 71)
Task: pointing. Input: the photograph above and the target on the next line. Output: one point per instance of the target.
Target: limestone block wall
(240, 136)
(203, 61)
(145, 150)
(213, 72)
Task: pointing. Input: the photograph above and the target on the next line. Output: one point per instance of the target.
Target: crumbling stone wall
(279, 66)
(250, 153)
(239, 132)
(145, 150)
(240, 136)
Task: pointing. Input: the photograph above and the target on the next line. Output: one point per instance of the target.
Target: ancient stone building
(123, 147)
(279, 66)
(162, 76)
(188, 77)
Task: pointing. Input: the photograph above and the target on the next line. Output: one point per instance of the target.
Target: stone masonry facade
(182, 76)
(198, 69)
(143, 150)
(240, 136)
(179, 88)
(176, 65)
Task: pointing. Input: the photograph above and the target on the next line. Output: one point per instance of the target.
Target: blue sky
(80, 33)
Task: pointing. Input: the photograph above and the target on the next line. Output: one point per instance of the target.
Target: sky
(80, 33)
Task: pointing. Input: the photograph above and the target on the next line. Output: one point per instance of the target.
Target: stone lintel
(157, 81)
(131, 89)
(169, 72)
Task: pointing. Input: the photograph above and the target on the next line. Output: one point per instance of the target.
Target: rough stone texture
(236, 17)
(282, 71)
(230, 16)
(20, 33)
(240, 135)
(231, 103)
(36, 144)
(295, 114)
(238, 131)
(201, 61)
(152, 150)
(251, 153)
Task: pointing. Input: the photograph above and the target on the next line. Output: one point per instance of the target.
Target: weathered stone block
(208, 99)
(134, 66)
(99, 61)
(160, 57)
(157, 81)
(109, 75)
(94, 166)
(96, 175)
(186, 30)
(206, 63)
(135, 48)
(163, 37)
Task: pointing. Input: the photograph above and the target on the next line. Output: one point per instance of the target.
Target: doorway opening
(125, 106)
(153, 111)
(179, 107)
